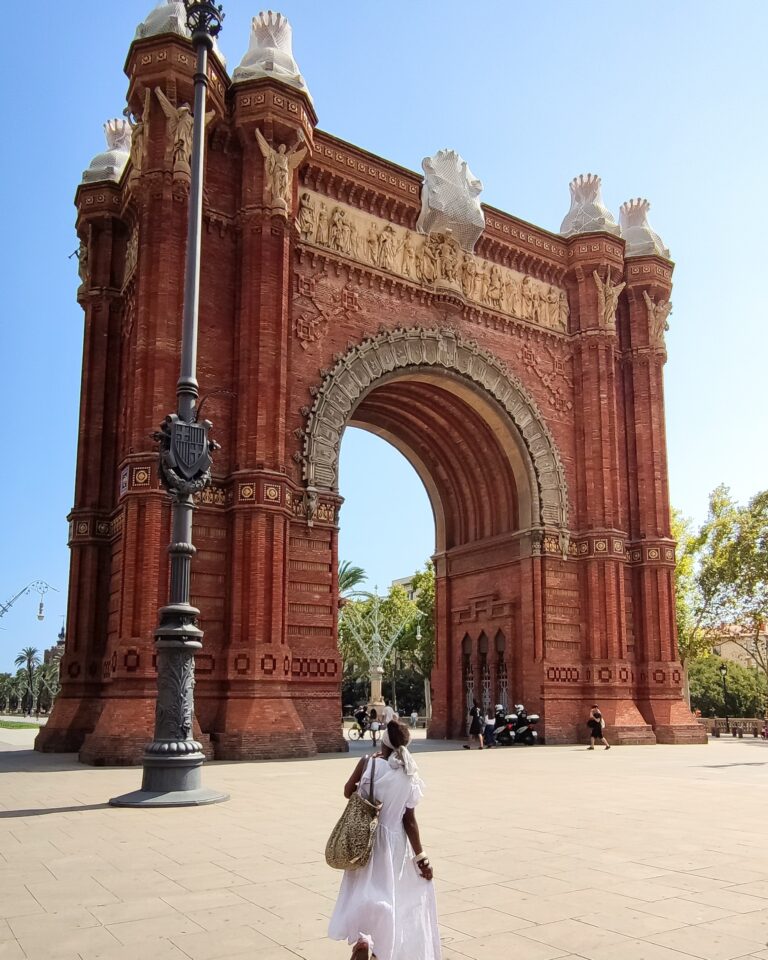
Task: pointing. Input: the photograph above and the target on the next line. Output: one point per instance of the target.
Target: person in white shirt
(389, 713)
(414, 717)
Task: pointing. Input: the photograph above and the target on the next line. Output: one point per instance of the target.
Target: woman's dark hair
(399, 734)
(373, 713)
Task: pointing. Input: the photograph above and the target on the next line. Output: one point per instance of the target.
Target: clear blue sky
(663, 100)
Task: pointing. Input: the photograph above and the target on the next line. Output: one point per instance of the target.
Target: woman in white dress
(386, 910)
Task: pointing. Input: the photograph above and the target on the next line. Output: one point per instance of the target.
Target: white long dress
(388, 903)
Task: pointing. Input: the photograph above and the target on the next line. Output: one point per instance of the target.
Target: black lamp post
(724, 673)
(173, 760)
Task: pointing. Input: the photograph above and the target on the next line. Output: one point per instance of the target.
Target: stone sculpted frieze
(435, 261)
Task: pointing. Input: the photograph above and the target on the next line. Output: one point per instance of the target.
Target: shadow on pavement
(30, 761)
(41, 811)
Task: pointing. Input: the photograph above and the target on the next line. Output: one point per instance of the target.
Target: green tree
(350, 577)
(418, 644)
(745, 688)
(29, 661)
(395, 610)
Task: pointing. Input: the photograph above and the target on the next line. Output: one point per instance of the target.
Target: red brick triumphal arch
(518, 370)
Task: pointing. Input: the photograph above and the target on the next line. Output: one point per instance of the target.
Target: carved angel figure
(279, 166)
(140, 137)
(82, 263)
(608, 298)
(657, 318)
(180, 128)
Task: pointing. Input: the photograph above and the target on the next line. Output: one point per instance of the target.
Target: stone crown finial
(641, 239)
(169, 16)
(450, 199)
(110, 164)
(588, 213)
(270, 53)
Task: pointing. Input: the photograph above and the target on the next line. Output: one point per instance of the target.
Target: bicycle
(356, 732)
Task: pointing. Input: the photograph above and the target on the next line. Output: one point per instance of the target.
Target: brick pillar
(257, 716)
(447, 666)
(659, 674)
(79, 704)
(600, 514)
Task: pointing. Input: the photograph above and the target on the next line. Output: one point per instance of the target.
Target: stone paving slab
(551, 853)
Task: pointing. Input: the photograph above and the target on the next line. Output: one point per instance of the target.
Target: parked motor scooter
(518, 728)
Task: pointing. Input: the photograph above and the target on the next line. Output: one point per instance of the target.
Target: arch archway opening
(482, 488)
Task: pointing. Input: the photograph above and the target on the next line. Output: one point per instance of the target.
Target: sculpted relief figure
(322, 226)
(448, 252)
(429, 264)
(608, 298)
(336, 232)
(278, 167)
(657, 319)
(305, 220)
(408, 257)
(468, 275)
(372, 244)
(387, 247)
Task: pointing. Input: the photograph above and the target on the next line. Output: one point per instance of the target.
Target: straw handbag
(351, 841)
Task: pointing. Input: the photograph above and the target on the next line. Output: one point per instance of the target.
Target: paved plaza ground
(641, 853)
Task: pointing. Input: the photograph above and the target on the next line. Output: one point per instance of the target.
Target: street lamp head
(40, 612)
(204, 20)
(723, 670)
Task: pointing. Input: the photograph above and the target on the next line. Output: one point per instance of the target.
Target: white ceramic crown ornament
(641, 240)
(450, 199)
(588, 213)
(110, 164)
(169, 16)
(270, 53)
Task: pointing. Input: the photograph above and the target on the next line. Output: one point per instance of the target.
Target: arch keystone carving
(357, 372)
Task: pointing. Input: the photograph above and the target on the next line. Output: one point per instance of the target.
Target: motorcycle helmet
(499, 708)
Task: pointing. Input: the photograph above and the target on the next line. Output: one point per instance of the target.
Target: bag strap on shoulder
(373, 774)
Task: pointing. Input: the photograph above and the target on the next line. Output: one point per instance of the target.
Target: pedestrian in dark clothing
(596, 726)
(476, 725)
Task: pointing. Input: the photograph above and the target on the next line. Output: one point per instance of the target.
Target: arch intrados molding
(357, 372)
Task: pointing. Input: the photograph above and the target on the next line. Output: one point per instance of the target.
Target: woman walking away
(375, 726)
(596, 726)
(476, 725)
(386, 909)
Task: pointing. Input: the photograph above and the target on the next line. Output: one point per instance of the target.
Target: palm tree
(29, 661)
(350, 577)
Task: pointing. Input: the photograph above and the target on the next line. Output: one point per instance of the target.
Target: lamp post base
(172, 778)
(170, 798)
